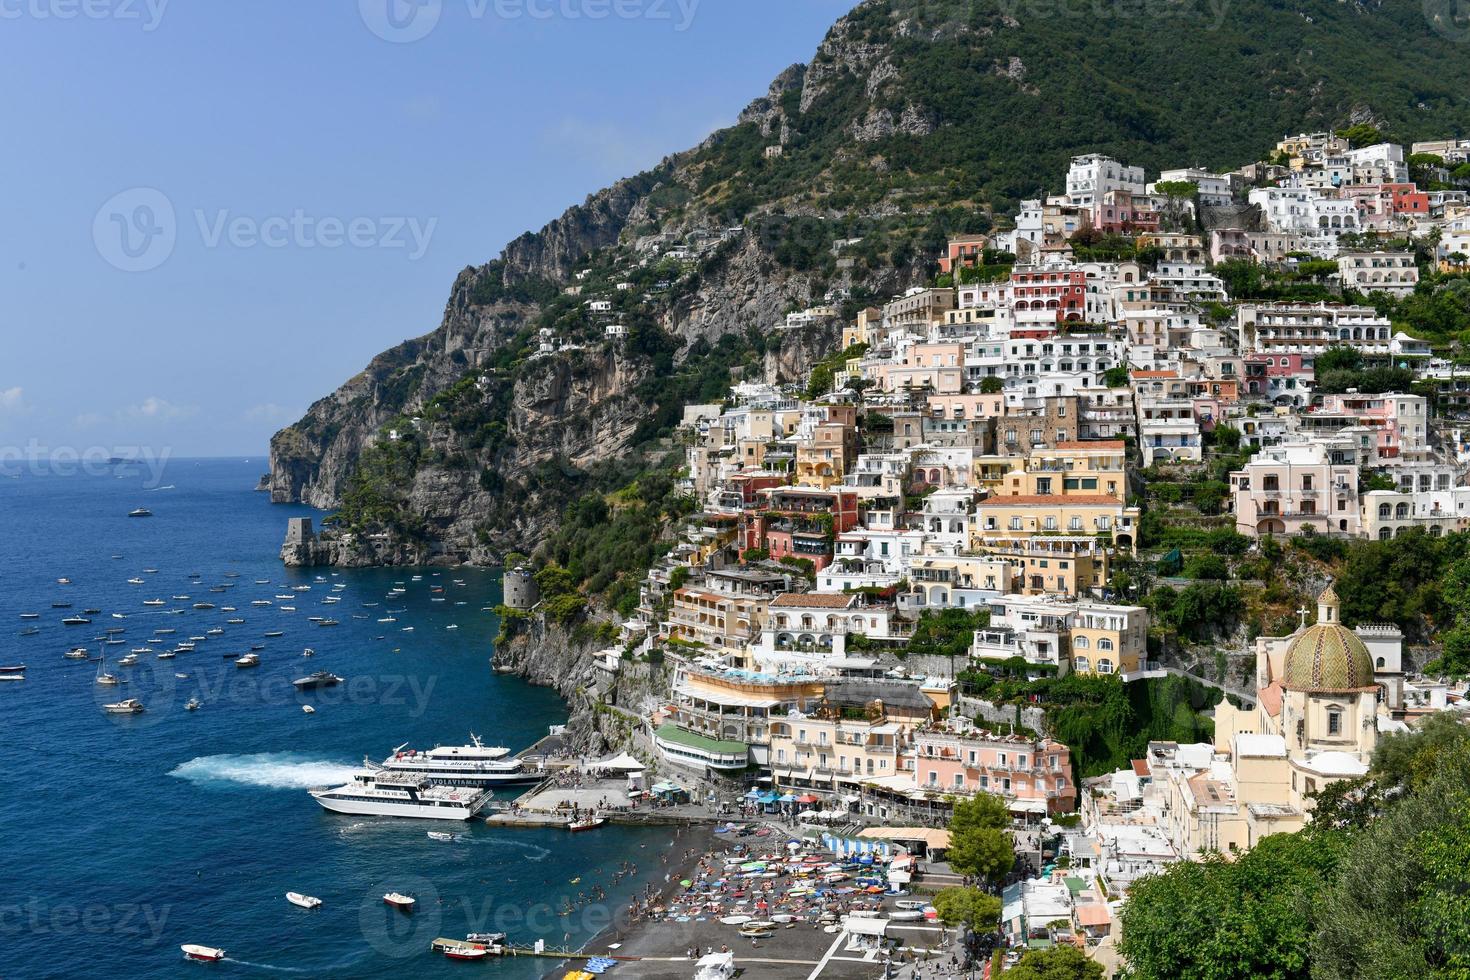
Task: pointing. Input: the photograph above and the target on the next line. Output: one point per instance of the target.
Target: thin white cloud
(155, 409)
(618, 150)
(269, 412)
(12, 400)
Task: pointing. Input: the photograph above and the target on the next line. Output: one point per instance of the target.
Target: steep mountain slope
(914, 120)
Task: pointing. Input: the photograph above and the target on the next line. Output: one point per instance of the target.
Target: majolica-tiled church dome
(1327, 658)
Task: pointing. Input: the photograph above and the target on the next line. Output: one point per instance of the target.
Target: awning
(622, 763)
(1027, 806)
(866, 927)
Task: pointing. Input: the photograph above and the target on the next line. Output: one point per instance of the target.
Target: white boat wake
(538, 853)
(268, 770)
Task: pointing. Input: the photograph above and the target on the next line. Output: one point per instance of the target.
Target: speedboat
(249, 660)
(586, 823)
(234, 622)
(20, 669)
(400, 902)
(79, 653)
(270, 634)
(153, 602)
(203, 605)
(329, 622)
(436, 835)
(307, 709)
(179, 598)
(167, 654)
(128, 660)
(75, 621)
(30, 615)
(132, 706)
(140, 512)
(303, 901)
(30, 631)
(194, 704)
(12, 677)
(135, 581)
(204, 954)
(321, 678)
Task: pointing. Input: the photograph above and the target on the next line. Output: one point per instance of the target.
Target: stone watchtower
(299, 532)
(520, 589)
(299, 548)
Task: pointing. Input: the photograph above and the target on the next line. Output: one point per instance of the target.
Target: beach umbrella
(754, 794)
(806, 798)
(686, 883)
(786, 798)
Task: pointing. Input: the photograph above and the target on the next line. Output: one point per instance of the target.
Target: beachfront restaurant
(700, 752)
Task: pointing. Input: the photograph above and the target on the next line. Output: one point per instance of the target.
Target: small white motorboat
(401, 902)
(194, 704)
(586, 823)
(132, 706)
(437, 835)
(303, 901)
(203, 954)
(307, 709)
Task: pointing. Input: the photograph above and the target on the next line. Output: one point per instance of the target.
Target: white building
(1214, 189)
(1394, 273)
(1092, 176)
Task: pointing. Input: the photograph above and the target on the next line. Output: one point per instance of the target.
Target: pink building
(1033, 775)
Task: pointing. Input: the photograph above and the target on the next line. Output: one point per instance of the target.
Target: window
(1334, 723)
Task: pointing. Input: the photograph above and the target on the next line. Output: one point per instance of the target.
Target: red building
(799, 521)
(964, 253)
(1408, 199)
(1045, 288)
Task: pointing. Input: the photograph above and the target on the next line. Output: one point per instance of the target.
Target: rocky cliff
(604, 712)
(915, 119)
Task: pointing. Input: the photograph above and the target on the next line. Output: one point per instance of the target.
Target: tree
(991, 386)
(1247, 918)
(987, 853)
(1058, 963)
(1339, 359)
(979, 843)
(1362, 134)
(968, 906)
(983, 811)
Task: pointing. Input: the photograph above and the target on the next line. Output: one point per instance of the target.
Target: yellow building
(1025, 517)
(724, 623)
(858, 730)
(1109, 639)
(1064, 565)
(1071, 469)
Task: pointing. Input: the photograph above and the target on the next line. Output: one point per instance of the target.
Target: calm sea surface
(125, 837)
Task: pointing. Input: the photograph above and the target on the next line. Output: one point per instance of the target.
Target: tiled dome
(1327, 658)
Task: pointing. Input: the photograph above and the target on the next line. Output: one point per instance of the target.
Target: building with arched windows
(1324, 691)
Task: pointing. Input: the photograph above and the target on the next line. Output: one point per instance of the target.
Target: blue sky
(215, 213)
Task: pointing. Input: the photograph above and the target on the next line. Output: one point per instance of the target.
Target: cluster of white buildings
(979, 452)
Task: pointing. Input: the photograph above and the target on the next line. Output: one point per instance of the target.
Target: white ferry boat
(407, 794)
(471, 765)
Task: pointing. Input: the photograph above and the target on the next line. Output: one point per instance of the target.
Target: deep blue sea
(124, 837)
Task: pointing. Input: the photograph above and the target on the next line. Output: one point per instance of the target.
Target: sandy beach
(667, 948)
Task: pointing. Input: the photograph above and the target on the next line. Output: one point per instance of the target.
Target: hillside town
(1145, 382)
